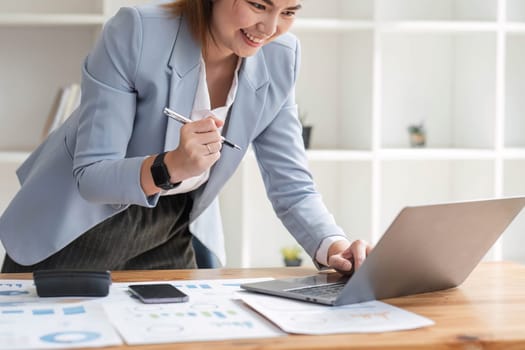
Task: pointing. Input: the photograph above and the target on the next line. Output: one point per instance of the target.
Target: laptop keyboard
(325, 291)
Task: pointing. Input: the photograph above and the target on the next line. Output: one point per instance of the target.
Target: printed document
(307, 318)
(212, 313)
(215, 312)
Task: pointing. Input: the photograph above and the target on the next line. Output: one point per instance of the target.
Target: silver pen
(182, 119)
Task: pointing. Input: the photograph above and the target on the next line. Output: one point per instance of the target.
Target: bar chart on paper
(54, 326)
(212, 313)
(201, 319)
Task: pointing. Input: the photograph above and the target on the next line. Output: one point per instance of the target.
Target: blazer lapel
(244, 116)
(183, 68)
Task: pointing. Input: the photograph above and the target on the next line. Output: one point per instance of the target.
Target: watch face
(160, 174)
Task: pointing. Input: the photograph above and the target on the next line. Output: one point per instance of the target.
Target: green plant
(417, 135)
(416, 128)
(291, 253)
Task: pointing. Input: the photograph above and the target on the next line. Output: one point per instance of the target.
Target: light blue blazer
(89, 169)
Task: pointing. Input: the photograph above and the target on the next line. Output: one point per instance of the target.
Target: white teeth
(251, 37)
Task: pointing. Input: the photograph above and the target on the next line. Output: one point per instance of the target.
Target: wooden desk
(486, 312)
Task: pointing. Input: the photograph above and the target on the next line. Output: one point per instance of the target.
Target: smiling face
(242, 27)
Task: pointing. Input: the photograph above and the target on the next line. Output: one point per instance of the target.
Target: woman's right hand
(199, 148)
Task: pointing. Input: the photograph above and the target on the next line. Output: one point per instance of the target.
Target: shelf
(437, 26)
(36, 63)
(318, 155)
(336, 81)
(21, 19)
(51, 7)
(440, 80)
(13, 156)
(415, 182)
(436, 154)
(340, 25)
(515, 27)
(338, 155)
(457, 10)
(401, 154)
(330, 25)
(514, 153)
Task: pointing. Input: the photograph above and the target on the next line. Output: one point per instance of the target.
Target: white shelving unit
(369, 68)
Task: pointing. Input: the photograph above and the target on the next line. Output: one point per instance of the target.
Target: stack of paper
(215, 312)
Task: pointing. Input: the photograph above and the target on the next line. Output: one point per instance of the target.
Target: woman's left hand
(346, 257)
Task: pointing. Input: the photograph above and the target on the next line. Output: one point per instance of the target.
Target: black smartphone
(158, 293)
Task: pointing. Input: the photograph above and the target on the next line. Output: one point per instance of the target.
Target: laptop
(426, 248)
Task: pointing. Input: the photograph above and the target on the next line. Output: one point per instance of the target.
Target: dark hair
(198, 15)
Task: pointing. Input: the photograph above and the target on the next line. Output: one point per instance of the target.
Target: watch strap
(160, 173)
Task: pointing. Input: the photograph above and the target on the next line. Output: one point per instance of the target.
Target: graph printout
(30, 322)
(54, 326)
(215, 311)
(307, 318)
(212, 313)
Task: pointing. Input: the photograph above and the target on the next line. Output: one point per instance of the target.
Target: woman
(121, 186)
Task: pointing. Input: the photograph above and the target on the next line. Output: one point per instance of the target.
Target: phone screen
(158, 293)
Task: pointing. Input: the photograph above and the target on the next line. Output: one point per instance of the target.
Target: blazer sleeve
(289, 185)
(108, 107)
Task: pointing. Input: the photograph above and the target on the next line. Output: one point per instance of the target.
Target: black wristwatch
(160, 173)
